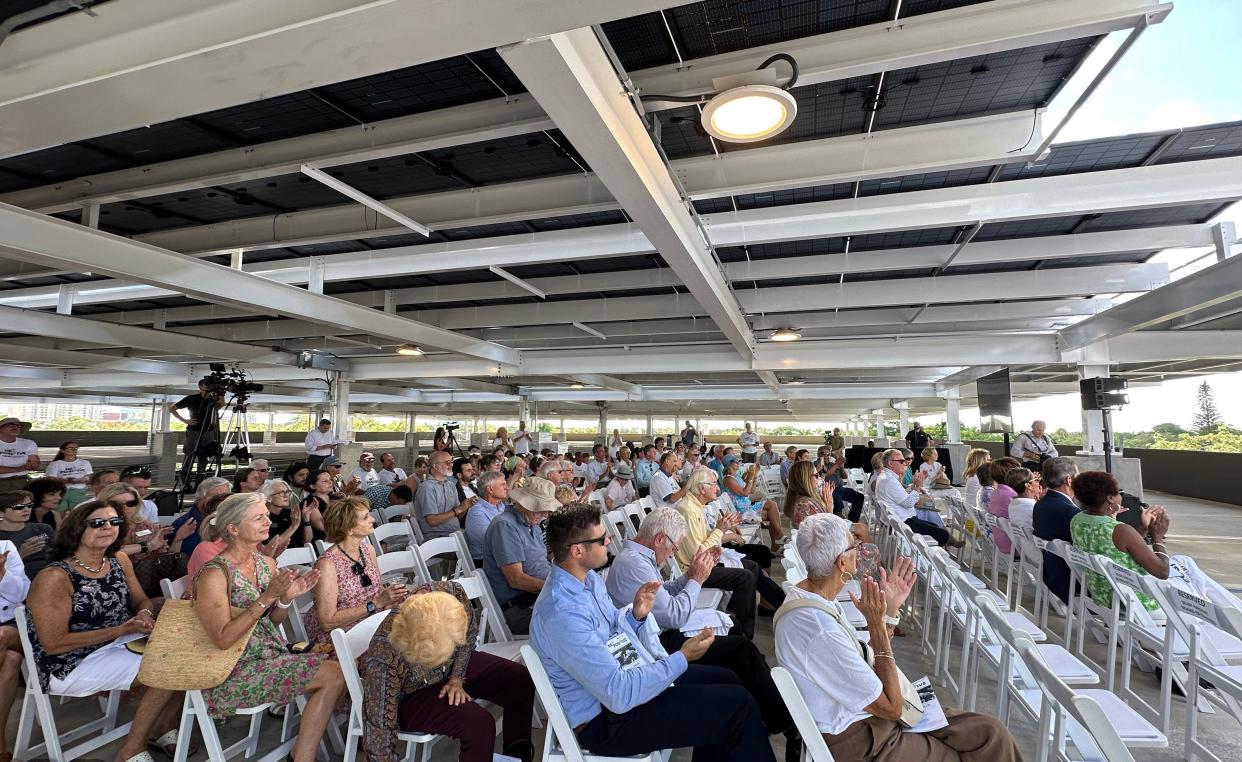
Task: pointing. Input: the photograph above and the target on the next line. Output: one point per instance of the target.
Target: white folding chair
(415, 529)
(429, 552)
(304, 556)
(37, 707)
(1099, 725)
(561, 744)
(396, 512)
(813, 747)
(400, 566)
(349, 647)
(494, 635)
(194, 712)
(1207, 664)
(635, 514)
(616, 524)
(463, 551)
(174, 588)
(395, 535)
(1086, 615)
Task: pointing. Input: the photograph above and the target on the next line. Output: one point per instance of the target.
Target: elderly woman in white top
(854, 691)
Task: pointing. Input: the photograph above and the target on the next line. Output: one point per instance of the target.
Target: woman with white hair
(854, 690)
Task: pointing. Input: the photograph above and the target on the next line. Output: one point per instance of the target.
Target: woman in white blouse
(975, 459)
(854, 691)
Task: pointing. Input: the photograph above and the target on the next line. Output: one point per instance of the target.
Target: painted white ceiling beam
(27, 372)
(375, 205)
(886, 46)
(462, 384)
(82, 77)
(965, 376)
(22, 352)
(1215, 284)
(35, 237)
(573, 79)
(607, 382)
(96, 332)
(978, 141)
(1154, 346)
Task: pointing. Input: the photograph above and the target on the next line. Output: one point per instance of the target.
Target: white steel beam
(113, 335)
(30, 236)
(22, 352)
(770, 380)
(465, 384)
(525, 285)
(975, 30)
(27, 372)
(965, 376)
(572, 78)
(1150, 346)
(373, 204)
(1216, 284)
(606, 382)
(77, 78)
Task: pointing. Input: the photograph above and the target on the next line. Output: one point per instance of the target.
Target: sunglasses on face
(601, 540)
(115, 521)
(281, 493)
(19, 507)
(264, 470)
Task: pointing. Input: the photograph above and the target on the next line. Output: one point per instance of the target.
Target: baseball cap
(331, 460)
(370, 455)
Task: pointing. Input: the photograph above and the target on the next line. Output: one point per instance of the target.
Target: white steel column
(650, 428)
(1092, 420)
(879, 427)
(953, 415)
(603, 421)
(903, 421)
(340, 408)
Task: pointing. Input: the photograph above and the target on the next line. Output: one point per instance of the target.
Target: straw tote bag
(180, 655)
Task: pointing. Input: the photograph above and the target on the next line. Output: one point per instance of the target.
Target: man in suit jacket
(1052, 518)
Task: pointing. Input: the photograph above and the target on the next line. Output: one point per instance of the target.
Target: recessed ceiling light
(409, 350)
(576, 385)
(749, 113)
(785, 334)
(795, 382)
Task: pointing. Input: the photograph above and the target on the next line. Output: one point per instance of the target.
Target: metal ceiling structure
(155, 214)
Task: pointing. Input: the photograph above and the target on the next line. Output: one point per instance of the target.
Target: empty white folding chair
(415, 529)
(174, 588)
(395, 513)
(616, 524)
(813, 747)
(561, 744)
(304, 556)
(494, 635)
(430, 552)
(1086, 616)
(400, 566)
(37, 707)
(1207, 664)
(349, 647)
(1097, 724)
(395, 535)
(634, 512)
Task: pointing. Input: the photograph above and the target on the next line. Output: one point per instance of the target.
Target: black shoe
(523, 750)
(793, 746)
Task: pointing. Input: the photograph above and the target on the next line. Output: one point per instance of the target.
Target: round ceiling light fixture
(785, 334)
(577, 385)
(409, 350)
(749, 113)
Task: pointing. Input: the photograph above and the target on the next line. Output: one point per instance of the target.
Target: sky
(1184, 71)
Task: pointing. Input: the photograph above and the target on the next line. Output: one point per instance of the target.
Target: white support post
(903, 421)
(390, 301)
(603, 422)
(314, 284)
(237, 258)
(1224, 236)
(1092, 420)
(650, 428)
(340, 408)
(879, 428)
(953, 416)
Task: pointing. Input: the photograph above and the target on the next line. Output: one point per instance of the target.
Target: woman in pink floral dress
(242, 578)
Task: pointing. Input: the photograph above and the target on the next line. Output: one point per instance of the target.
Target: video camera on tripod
(223, 381)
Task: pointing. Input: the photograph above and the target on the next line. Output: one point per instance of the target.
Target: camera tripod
(208, 448)
(451, 444)
(238, 436)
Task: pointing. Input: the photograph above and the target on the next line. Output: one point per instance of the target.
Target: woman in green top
(1096, 530)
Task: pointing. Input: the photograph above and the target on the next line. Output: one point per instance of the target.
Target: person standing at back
(749, 442)
(689, 435)
(320, 444)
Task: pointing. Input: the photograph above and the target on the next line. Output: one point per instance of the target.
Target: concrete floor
(1201, 529)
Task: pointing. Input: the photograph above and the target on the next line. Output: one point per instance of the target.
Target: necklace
(90, 569)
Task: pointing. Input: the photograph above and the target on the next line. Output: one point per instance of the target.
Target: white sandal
(165, 744)
(142, 756)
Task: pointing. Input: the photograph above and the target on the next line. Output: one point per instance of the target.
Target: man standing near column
(749, 442)
(320, 443)
(521, 439)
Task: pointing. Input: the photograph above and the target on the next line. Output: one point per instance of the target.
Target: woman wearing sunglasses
(31, 538)
(147, 545)
(90, 605)
(242, 589)
(350, 588)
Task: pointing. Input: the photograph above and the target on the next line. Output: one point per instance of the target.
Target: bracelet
(1162, 553)
(146, 611)
(885, 655)
(281, 605)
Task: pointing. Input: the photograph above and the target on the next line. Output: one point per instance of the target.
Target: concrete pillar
(880, 436)
(1092, 420)
(603, 422)
(340, 409)
(953, 415)
(903, 421)
(650, 429)
(524, 413)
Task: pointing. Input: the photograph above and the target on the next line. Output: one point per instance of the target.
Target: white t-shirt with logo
(521, 442)
(15, 454)
(366, 477)
(395, 475)
(63, 469)
(749, 441)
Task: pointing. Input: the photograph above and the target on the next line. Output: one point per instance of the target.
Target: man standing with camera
(202, 431)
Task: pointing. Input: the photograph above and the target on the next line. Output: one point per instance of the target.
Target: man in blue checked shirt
(620, 691)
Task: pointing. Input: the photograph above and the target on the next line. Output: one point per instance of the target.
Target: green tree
(1168, 430)
(1207, 417)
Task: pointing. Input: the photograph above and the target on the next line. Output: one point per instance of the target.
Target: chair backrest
(1082, 709)
(813, 747)
(440, 546)
(174, 588)
(304, 556)
(615, 523)
(400, 562)
(349, 647)
(396, 512)
(477, 590)
(32, 669)
(1193, 612)
(389, 531)
(635, 514)
(1129, 584)
(560, 740)
(463, 551)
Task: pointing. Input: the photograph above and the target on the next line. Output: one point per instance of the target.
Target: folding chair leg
(184, 730)
(47, 723)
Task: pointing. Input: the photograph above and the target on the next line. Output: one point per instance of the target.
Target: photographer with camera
(202, 431)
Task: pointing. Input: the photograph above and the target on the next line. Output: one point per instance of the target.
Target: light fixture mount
(785, 334)
(749, 113)
(410, 350)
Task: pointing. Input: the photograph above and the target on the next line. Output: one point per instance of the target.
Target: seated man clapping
(621, 695)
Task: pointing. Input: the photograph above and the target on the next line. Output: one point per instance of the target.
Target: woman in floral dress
(242, 578)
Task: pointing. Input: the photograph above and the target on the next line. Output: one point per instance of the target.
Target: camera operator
(202, 431)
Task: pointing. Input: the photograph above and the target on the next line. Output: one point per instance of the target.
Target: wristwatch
(892, 621)
(370, 607)
(142, 547)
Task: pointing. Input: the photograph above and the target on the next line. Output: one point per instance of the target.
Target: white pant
(112, 667)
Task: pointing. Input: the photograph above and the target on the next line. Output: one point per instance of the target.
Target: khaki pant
(968, 737)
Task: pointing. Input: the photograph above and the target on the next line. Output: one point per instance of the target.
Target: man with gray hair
(1052, 517)
(892, 494)
(639, 563)
(212, 485)
(493, 491)
(1034, 447)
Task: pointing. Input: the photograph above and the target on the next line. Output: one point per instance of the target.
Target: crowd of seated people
(95, 572)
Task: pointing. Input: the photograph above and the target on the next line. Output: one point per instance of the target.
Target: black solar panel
(59, 163)
(1087, 156)
(1145, 218)
(927, 181)
(522, 157)
(903, 238)
(998, 231)
(767, 199)
(438, 84)
(1210, 142)
(578, 221)
(979, 85)
(285, 116)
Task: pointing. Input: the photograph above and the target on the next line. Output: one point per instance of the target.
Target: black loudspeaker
(1103, 393)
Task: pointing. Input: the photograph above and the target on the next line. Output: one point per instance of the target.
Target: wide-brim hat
(623, 471)
(536, 495)
(25, 425)
(941, 482)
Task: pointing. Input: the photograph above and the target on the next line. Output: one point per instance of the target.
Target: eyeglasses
(115, 521)
(129, 503)
(19, 507)
(142, 472)
(265, 470)
(601, 540)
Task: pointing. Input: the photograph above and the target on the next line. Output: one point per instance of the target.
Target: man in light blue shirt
(493, 492)
(515, 557)
(646, 468)
(614, 685)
